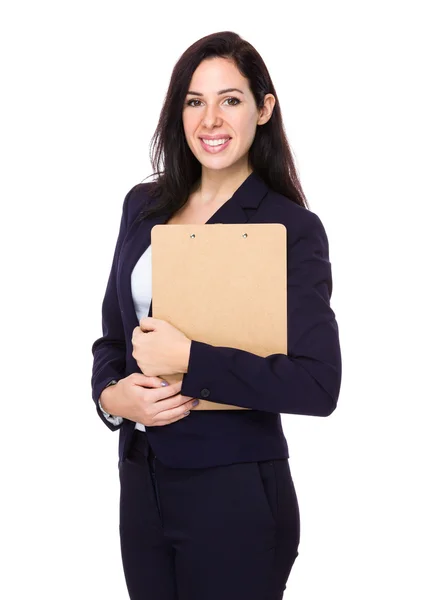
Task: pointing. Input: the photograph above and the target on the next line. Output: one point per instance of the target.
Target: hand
(132, 399)
(159, 348)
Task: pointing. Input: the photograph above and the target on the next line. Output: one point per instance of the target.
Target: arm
(306, 381)
(109, 351)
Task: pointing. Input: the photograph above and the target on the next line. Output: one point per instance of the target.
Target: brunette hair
(270, 155)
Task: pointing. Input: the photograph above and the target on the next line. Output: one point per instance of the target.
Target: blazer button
(205, 393)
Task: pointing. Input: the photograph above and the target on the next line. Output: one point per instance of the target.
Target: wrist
(185, 356)
(106, 397)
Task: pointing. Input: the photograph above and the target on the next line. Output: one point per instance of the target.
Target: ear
(266, 111)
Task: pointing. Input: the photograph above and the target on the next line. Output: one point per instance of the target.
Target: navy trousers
(226, 532)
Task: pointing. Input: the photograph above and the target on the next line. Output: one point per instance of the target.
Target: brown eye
(233, 98)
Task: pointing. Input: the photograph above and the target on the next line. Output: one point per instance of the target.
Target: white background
(82, 87)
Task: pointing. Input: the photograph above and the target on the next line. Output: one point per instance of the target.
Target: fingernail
(195, 402)
(164, 383)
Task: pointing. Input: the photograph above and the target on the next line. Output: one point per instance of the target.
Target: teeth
(215, 142)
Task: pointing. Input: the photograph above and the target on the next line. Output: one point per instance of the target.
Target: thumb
(148, 324)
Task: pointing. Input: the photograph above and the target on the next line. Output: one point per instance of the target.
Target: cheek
(245, 127)
(189, 125)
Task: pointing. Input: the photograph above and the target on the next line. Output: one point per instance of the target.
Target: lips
(218, 136)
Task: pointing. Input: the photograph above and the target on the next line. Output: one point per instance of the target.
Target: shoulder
(135, 200)
(298, 220)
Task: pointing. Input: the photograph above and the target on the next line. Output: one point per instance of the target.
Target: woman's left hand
(160, 348)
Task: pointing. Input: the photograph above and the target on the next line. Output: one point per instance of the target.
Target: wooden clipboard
(222, 284)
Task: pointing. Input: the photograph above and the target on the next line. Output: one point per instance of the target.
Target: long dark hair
(270, 155)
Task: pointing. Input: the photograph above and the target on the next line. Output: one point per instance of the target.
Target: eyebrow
(227, 90)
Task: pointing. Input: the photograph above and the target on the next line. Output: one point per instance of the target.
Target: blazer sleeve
(109, 350)
(306, 381)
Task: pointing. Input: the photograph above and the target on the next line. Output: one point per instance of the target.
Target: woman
(208, 508)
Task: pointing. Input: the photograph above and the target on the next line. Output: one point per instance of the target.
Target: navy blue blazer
(306, 381)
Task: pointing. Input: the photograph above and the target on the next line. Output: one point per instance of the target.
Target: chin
(216, 162)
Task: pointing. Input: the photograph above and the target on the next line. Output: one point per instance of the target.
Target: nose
(211, 117)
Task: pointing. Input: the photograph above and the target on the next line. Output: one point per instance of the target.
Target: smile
(215, 146)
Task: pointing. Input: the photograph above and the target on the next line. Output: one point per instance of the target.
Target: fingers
(165, 417)
(156, 382)
(166, 404)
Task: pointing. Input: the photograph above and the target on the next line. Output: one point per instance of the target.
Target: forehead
(214, 74)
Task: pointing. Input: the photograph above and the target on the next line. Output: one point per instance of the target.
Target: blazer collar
(248, 196)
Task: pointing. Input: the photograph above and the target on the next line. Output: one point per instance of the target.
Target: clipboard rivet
(192, 235)
(245, 235)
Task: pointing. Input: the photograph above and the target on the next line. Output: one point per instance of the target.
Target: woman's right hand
(144, 400)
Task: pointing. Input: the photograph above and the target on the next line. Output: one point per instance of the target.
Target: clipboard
(224, 284)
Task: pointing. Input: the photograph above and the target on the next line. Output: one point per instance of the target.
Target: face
(220, 109)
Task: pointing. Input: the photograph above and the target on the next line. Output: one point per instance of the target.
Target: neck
(217, 186)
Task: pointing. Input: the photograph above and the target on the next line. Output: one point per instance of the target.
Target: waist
(209, 438)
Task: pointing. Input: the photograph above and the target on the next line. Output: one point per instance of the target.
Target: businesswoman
(208, 508)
